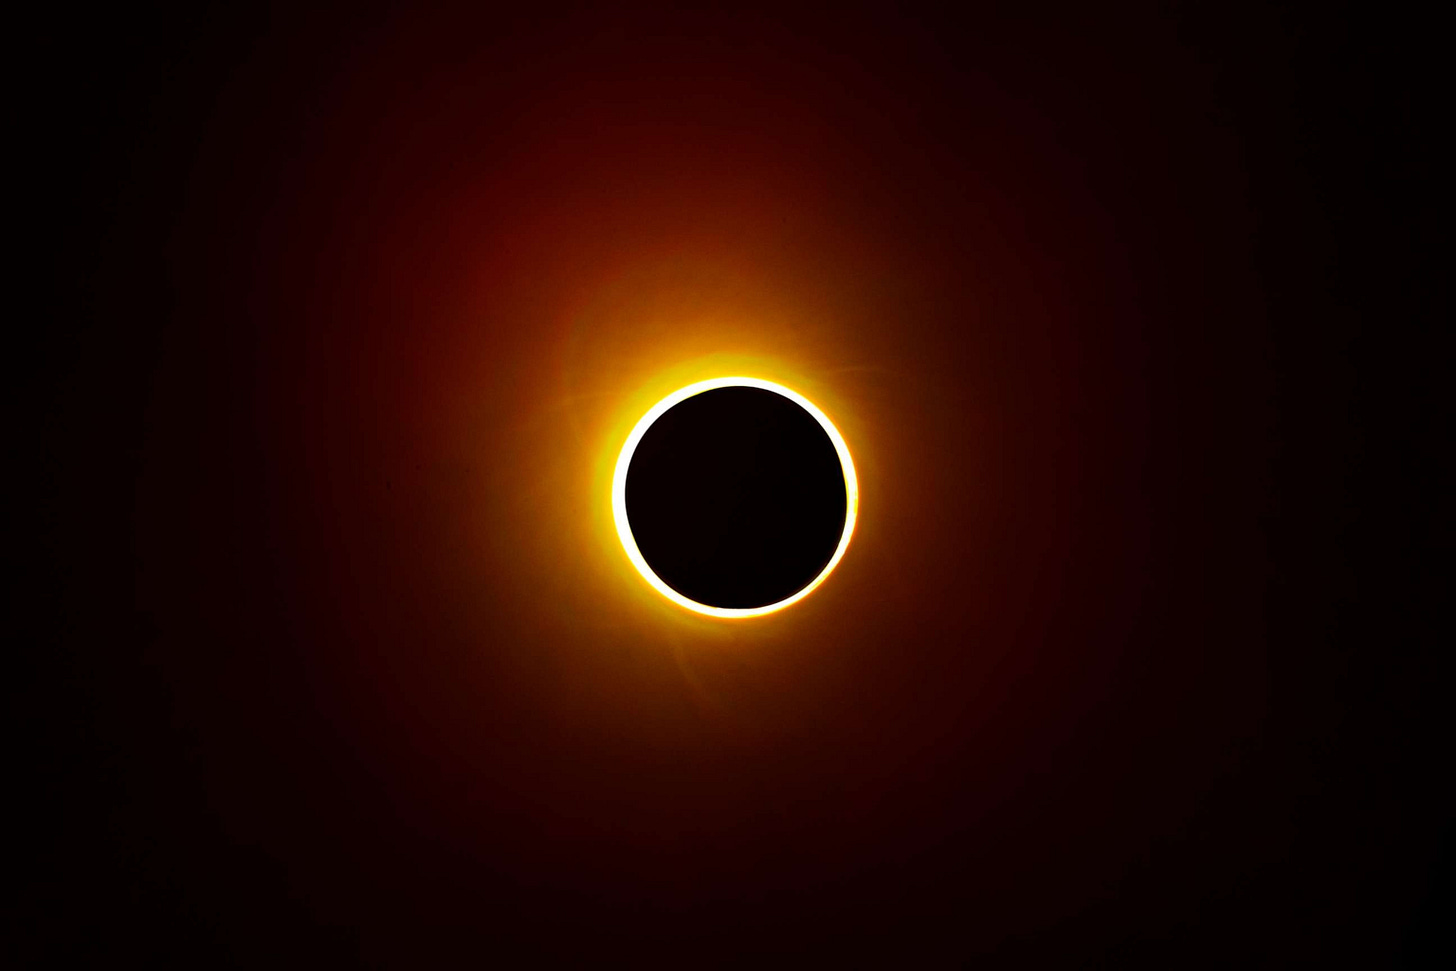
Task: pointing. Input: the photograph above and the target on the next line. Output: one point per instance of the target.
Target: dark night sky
(323, 658)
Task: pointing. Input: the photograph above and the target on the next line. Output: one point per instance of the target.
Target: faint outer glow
(619, 494)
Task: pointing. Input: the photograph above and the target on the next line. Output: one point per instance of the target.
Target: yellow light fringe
(619, 494)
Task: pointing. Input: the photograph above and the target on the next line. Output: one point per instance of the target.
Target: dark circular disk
(736, 497)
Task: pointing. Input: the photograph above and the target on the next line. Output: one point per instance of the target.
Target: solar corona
(734, 497)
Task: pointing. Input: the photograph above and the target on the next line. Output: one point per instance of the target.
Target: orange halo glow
(619, 495)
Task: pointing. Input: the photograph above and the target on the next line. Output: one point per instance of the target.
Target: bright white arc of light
(619, 495)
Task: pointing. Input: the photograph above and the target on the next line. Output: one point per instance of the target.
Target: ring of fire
(624, 528)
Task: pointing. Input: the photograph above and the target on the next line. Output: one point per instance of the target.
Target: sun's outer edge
(619, 495)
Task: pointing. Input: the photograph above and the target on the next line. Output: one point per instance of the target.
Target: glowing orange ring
(619, 495)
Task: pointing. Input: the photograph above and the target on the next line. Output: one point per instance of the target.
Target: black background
(1172, 705)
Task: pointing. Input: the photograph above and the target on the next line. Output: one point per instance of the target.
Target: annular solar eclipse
(734, 497)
